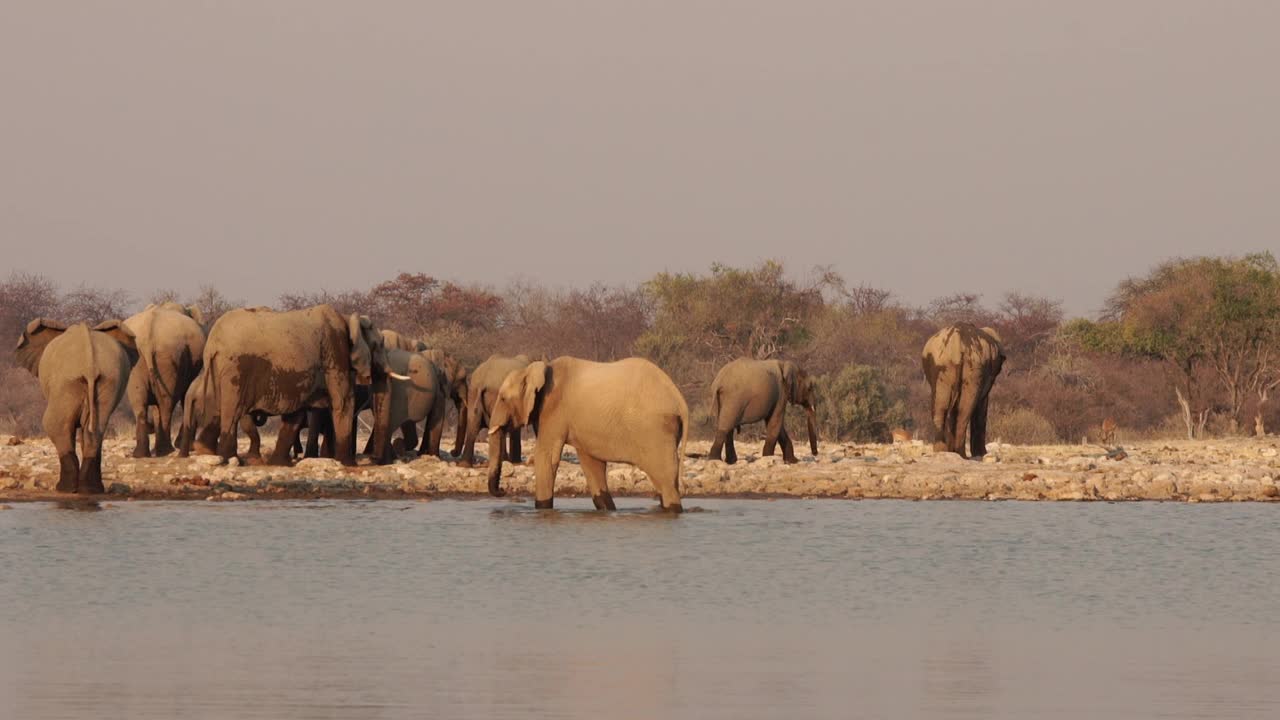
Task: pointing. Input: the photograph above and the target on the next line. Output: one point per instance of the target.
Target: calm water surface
(751, 609)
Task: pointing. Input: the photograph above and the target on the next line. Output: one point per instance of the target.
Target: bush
(1021, 427)
(854, 404)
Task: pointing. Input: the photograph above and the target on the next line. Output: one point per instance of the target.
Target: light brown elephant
(482, 390)
(83, 374)
(626, 411)
(170, 343)
(961, 363)
(747, 391)
(261, 362)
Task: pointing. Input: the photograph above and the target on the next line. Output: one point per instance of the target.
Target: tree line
(1189, 349)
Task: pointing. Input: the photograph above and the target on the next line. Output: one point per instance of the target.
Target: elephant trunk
(811, 423)
(497, 435)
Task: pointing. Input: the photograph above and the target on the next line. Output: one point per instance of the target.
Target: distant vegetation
(1190, 349)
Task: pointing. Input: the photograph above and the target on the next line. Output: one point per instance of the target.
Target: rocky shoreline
(1238, 469)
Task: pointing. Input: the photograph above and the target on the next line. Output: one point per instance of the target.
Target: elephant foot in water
(604, 501)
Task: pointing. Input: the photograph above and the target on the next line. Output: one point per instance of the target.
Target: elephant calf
(961, 363)
(747, 391)
(83, 374)
(626, 411)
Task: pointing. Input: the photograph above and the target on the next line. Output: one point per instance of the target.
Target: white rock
(207, 460)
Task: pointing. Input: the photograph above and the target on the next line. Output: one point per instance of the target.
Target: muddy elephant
(257, 361)
(626, 411)
(83, 374)
(747, 391)
(482, 390)
(961, 363)
(202, 417)
(170, 343)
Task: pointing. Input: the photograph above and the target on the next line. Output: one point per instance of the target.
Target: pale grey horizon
(922, 147)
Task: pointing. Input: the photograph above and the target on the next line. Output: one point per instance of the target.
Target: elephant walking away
(482, 390)
(961, 363)
(170, 343)
(747, 391)
(83, 374)
(626, 411)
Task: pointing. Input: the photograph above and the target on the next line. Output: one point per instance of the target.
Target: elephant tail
(91, 387)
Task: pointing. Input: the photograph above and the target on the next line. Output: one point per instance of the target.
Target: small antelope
(901, 435)
(1109, 430)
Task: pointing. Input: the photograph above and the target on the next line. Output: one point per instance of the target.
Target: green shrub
(855, 404)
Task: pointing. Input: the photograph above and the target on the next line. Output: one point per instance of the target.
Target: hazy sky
(927, 147)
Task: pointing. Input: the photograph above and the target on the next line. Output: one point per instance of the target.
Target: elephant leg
(137, 392)
(717, 445)
(664, 472)
(788, 449)
(978, 429)
(164, 426)
(730, 452)
(63, 434)
(944, 400)
(432, 434)
(90, 462)
(229, 416)
(254, 456)
(142, 441)
(475, 421)
(964, 414)
(329, 436)
(289, 426)
(314, 427)
(460, 434)
(546, 461)
(772, 428)
(597, 481)
(409, 432)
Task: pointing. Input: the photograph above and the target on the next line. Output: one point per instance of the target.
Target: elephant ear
(994, 335)
(195, 313)
(121, 334)
(39, 333)
(790, 379)
(535, 377)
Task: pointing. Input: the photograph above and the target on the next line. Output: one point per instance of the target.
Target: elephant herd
(318, 370)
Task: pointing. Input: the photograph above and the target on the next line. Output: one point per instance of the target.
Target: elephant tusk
(398, 376)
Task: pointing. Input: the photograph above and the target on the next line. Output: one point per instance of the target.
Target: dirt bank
(1201, 471)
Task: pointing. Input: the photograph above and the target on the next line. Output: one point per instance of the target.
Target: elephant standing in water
(961, 363)
(170, 343)
(257, 361)
(747, 391)
(626, 411)
(482, 390)
(83, 374)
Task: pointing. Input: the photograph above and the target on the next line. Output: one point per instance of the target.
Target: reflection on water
(752, 609)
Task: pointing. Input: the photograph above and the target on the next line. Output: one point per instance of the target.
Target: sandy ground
(1201, 471)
